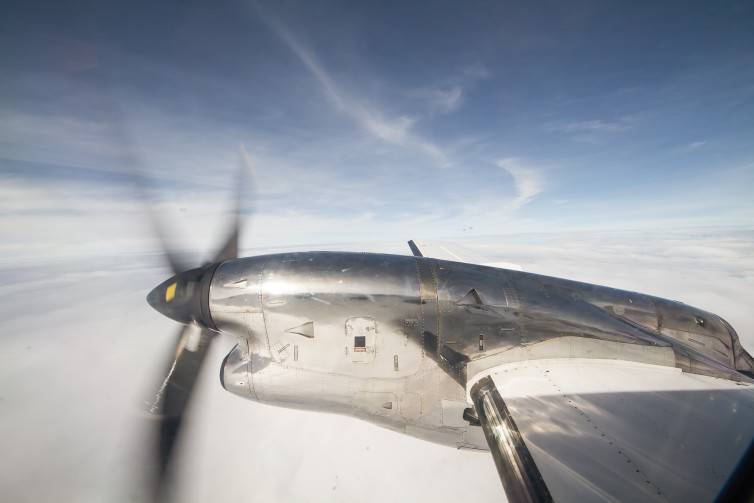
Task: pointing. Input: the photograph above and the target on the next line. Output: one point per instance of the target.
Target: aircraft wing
(611, 430)
(456, 253)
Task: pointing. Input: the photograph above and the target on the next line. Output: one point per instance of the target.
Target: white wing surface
(456, 253)
(611, 430)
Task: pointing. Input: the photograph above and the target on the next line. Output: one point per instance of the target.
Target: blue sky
(372, 120)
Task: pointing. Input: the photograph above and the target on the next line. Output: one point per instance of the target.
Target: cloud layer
(102, 326)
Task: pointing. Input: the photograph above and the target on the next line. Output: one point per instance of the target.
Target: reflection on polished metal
(400, 340)
(442, 321)
(518, 472)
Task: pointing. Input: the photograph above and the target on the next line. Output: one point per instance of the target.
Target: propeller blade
(230, 249)
(177, 261)
(183, 298)
(244, 202)
(174, 395)
(168, 236)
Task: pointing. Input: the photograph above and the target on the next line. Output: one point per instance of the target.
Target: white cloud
(449, 100)
(49, 137)
(592, 126)
(527, 180)
(476, 72)
(448, 97)
(319, 457)
(445, 100)
(396, 131)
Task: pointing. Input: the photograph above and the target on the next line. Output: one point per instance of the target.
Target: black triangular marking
(471, 299)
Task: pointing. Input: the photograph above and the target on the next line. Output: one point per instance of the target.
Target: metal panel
(427, 281)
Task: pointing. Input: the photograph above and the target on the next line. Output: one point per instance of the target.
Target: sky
(599, 141)
(370, 120)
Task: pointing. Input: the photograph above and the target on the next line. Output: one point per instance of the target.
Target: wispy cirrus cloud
(446, 98)
(528, 180)
(442, 100)
(396, 131)
(591, 126)
(590, 131)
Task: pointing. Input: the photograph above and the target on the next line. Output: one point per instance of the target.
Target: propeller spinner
(184, 297)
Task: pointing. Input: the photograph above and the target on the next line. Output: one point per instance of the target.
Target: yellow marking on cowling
(170, 292)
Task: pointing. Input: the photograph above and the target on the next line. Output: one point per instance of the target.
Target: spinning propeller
(184, 298)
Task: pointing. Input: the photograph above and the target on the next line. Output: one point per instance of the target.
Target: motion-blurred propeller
(184, 298)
